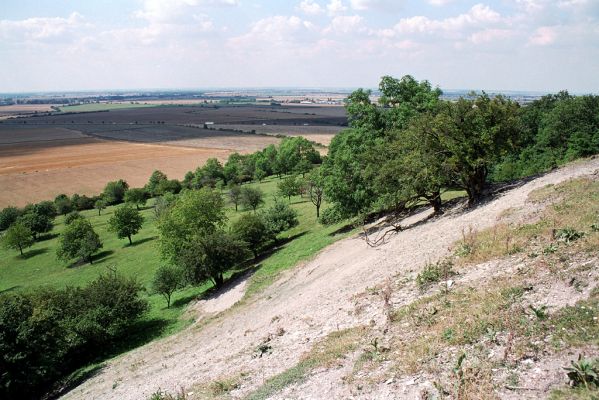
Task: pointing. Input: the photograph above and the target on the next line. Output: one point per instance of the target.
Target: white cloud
(478, 15)
(272, 31)
(310, 7)
(543, 36)
(41, 28)
(490, 35)
(164, 11)
(381, 5)
(336, 7)
(439, 2)
(346, 24)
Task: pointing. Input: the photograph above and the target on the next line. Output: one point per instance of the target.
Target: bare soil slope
(302, 307)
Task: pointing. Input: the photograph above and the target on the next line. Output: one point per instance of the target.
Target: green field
(39, 266)
(103, 107)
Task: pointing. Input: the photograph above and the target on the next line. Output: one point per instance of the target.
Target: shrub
(251, 229)
(280, 217)
(8, 216)
(433, 273)
(568, 235)
(72, 216)
(166, 281)
(78, 240)
(331, 216)
(251, 197)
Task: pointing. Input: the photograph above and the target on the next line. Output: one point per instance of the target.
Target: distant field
(103, 107)
(46, 155)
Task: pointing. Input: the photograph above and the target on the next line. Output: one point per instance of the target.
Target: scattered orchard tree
(100, 205)
(37, 223)
(316, 190)
(125, 222)
(290, 186)
(8, 216)
(72, 216)
(156, 179)
(17, 237)
(251, 229)
(235, 195)
(63, 204)
(166, 281)
(136, 196)
(279, 218)
(114, 192)
(78, 241)
(251, 197)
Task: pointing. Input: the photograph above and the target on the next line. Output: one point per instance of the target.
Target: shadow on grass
(73, 380)
(10, 289)
(33, 253)
(101, 256)
(141, 241)
(47, 236)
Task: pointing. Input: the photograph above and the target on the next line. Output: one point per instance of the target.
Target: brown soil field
(34, 172)
(23, 109)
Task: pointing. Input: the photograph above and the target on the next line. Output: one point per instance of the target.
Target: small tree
(17, 237)
(251, 197)
(289, 186)
(166, 281)
(251, 229)
(37, 223)
(100, 205)
(157, 178)
(136, 196)
(235, 195)
(126, 221)
(316, 190)
(78, 240)
(280, 217)
(114, 192)
(63, 204)
(72, 216)
(8, 216)
(209, 256)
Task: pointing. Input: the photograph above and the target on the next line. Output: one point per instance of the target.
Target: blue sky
(540, 45)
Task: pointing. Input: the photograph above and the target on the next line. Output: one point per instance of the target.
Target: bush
(166, 281)
(47, 334)
(280, 217)
(78, 240)
(433, 273)
(8, 216)
(251, 197)
(331, 216)
(251, 229)
(72, 216)
(37, 223)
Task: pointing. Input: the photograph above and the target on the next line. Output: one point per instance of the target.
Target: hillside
(353, 322)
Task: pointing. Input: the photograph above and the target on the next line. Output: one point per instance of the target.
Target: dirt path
(307, 303)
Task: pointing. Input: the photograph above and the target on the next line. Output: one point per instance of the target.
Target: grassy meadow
(39, 266)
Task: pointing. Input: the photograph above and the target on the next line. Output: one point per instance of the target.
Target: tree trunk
(218, 280)
(130, 242)
(318, 211)
(90, 259)
(235, 207)
(475, 185)
(435, 202)
(168, 300)
(255, 253)
(21, 249)
(99, 212)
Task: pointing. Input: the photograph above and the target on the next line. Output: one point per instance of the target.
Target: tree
(297, 153)
(82, 202)
(136, 196)
(78, 240)
(37, 223)
(163, 204)
(153, 185)
(72, 216)
(63, 204)
(251, 229)
(280, 217)
(100, 205)
(169, 186)
(195, 213)
(210, 255)
(8, 216)
(476, 133)
(166, 281)
(235, 195)
(289, 187)
(316, 190)
(251, 197)
(114, 192)
(125, 222)
(211, 172)
(17, 237)
(46, 208)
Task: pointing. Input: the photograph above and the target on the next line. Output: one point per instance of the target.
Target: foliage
(163, 204)
(78, 240)
(17, 237)
(279, 218)
(194, 213)
(63, 204)
(114, 192)
(331, 216)
(251, 197)
(47, 334)
(583, 372)
(137, 196)
(316, 190)
(166, 280)
(46, 208)
(209, 256)
(252, 229)
(153, 187)
(568, 235)
(235, 195)
(72, 216)
(100, 205)
(37, 223)
(125, 222)
(290, 186)
(8, 216)
(433, 273)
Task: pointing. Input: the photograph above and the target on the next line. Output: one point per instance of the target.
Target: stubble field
(43, 156)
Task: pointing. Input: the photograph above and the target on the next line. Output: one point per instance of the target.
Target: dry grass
(572, 205)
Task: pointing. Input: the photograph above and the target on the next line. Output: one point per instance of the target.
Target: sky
(522, 45)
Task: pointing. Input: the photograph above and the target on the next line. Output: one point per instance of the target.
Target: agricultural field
(103, 106)
(45, 155)
(15, 110)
